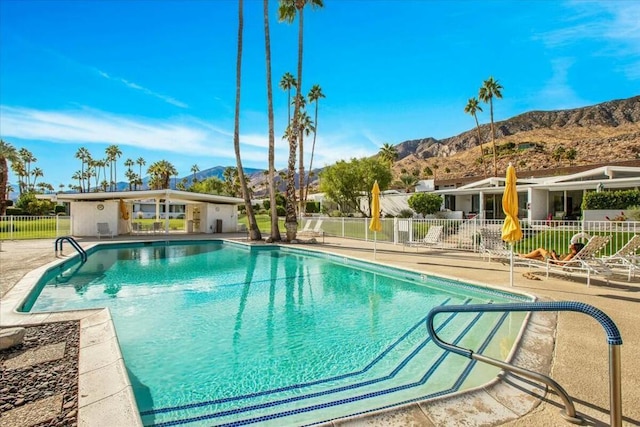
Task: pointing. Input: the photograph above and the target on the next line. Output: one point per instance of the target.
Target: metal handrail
(613, 339)
(74, 243)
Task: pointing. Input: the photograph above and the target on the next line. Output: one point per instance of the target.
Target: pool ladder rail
(72, 242)
(569, 413)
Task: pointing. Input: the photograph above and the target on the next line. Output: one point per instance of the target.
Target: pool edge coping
(118, 402)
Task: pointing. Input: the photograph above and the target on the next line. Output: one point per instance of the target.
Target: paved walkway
(579, 363)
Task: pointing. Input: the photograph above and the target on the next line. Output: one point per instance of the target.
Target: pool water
(223, 334)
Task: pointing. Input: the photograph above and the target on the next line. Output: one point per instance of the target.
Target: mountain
(606, 133)
(602, 133)
(216, 171)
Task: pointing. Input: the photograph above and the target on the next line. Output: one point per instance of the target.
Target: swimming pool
(218, 333)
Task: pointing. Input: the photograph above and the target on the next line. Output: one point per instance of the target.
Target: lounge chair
(626, 258)
(307, 226)
(315, 232)
(492, 245)
(431, 239)
(103, 230)
(584, 262)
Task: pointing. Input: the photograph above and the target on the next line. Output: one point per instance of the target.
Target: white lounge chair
(103, 230)
(626, 258)
(315, 232)
(431, 239)
(492, 245)
(584, 262)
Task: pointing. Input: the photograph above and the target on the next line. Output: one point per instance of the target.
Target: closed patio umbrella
(511, 231)
(375, 225)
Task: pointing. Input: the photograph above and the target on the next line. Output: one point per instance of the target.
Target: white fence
(34, 227)
(465, 234)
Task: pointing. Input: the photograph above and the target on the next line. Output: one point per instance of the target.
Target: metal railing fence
(14, 227)
(458, 234)
(465, 234)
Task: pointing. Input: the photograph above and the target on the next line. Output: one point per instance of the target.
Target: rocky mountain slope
(602, 133)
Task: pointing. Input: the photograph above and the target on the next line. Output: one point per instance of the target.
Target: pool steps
(284, 408)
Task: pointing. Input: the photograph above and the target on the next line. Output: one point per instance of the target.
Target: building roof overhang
(171, 195)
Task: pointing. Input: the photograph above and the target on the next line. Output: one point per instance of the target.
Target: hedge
(621, 199)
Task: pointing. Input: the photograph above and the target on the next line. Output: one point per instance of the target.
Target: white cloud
(87, 126)
(557, 93)
(613, 25)
(143, 89)
(182, 135)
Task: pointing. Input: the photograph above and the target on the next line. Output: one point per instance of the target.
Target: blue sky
(157, 78)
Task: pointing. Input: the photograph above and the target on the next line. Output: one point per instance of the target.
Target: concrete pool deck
(576, 356)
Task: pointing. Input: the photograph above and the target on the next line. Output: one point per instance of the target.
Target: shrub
(425, 203)
(281, 211)
(405, 213)
(312, 207)
(633, 212)
(14, 211)
(621, 199)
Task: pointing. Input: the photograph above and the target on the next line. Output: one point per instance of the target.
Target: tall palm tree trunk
(254, 231)
(275, 230)
(291, 221)
(493, 140)
(4, 178)
(484, 166)
(313, 149)
(299, 129)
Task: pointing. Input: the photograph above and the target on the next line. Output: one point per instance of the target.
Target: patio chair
(584, 262)
(492, 245)
(626, 258)
(157, 227)
(316, 231)
(433, 238)
(103, 230)
(307, 226)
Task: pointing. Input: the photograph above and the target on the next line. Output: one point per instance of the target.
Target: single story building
(203, 213)
(558, 197)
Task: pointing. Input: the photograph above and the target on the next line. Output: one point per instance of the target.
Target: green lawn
(38, 228)
(264, 223)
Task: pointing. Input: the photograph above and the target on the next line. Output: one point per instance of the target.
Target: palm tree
(83, 155)
(27, 158)
(490, 89)
(409, 183)
(129, 174)
(388, 153)
(472, 107)
(254, 231)
(140, 162)
(314, 96)
(78, 175)
(275, 229)
(96, 165)
(287, 83)
(113, 154)
(194, 169)
(18, 168)
(161, 172)
(8, 153)
(287, 11)
(306, 127)
(36, 173)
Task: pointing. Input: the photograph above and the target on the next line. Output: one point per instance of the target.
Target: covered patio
(203, 213)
